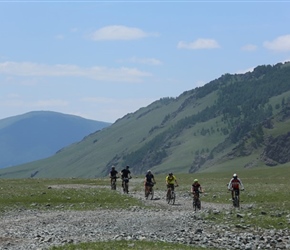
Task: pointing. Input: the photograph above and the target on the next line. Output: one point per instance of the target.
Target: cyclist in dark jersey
(113, 174)
(125, 173)
(149, 181)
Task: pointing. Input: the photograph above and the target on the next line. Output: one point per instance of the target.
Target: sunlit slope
(91, 156)
(223, 124)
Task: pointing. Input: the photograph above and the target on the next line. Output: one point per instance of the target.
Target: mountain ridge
(197, 131)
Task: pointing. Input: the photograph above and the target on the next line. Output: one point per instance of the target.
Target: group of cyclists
(235, 184)
(125, 175)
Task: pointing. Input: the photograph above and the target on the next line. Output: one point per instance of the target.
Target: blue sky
(104, 59)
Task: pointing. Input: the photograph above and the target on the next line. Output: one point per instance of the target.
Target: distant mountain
(234, 122)
(40, 134)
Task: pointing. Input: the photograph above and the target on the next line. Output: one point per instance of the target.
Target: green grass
(264, 203)
(61, 194)
(120, 245)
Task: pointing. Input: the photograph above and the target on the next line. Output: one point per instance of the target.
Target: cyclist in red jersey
(235, 184)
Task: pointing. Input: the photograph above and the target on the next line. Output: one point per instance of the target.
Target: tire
(198, 205)
(152, 194)
(172, 198)
(113, 185)
(147, 195)
(126, 189)
(237, 201)
(194, 205)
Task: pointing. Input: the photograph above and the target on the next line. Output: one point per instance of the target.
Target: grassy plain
(60, 194)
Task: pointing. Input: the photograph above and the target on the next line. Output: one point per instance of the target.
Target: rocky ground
(170, 223)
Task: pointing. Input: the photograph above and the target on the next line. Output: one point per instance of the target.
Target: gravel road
(29, 229)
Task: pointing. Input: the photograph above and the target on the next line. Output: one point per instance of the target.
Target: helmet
(170, 173)
(235, 176)
(113, 167)
(127, 166)
(195, 180)
(149, 171)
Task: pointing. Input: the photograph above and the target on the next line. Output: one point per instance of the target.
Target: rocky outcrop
(277, 150)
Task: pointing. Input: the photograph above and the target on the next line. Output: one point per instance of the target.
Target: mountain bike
(196, 203)
(125, 185)
(236, 199)
(171, 196)
(150, 192)
(113, 183)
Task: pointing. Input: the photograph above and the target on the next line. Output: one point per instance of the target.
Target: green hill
(40, 134)
(231, 121)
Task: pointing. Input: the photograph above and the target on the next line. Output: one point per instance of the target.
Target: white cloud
(97, 73)
(118, 32)
(200, 43)
(249, 47)
(281, 43)
(147, 61)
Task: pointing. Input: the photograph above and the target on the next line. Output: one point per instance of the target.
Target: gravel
(31, 229)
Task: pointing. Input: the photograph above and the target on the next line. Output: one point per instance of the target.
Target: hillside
(230, 122)
(40, 134)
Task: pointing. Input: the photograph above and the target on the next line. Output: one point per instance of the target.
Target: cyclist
(196, 188)
(149, 181)
(113, 174)
(170, 181)
(235, 184)
(125, 173)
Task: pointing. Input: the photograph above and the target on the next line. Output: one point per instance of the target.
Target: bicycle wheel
(198, 204)
(147, 192)
(194, 204)
(113, 186)
(237, 201)
(169, 198)
(126, 188)
(151, 194)
(172, 200)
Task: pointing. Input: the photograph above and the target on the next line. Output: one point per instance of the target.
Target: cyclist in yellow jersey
(170, 181)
